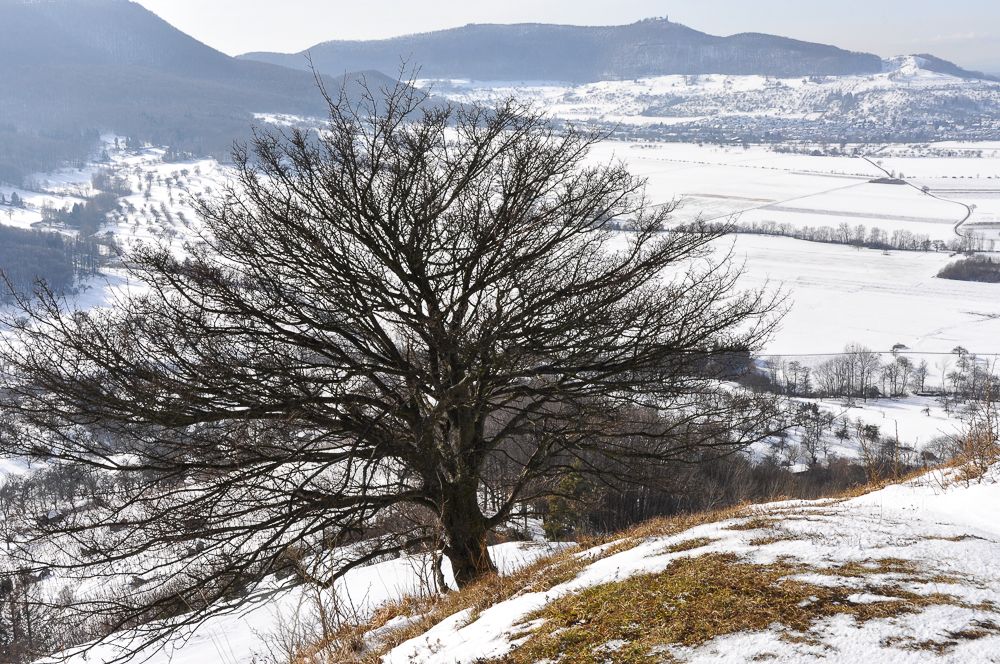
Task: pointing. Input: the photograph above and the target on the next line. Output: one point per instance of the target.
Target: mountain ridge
(73, 69)
(537, 51)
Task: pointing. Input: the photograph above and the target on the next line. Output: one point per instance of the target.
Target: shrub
(974, 268)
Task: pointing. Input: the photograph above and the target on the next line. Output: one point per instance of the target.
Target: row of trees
(857, 373)
(861, 236)
(856, 236)
(861, 373)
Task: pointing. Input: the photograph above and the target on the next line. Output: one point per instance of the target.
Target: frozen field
(761, 185)
(839, 294)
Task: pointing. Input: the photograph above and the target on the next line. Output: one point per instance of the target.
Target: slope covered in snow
(905, 574)
(904, 102)
(925, 553)
(250, 634)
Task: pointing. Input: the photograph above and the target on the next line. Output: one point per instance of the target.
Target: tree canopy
(394, 332)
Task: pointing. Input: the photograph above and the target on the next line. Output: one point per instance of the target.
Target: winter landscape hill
(911, 99)
(532, 52)
(73, 69)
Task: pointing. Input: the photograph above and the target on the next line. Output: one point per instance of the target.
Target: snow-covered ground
(761, 185)
(246, 635)
(836, 294)
(947, 532)
(918, 423)
(839, 294)
(942, 529)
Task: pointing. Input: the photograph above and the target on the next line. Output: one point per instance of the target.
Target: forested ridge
(73, 69)
(533, 51)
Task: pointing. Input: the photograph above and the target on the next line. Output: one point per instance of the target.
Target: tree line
(30, 256)
(862, 237)
(861, 373)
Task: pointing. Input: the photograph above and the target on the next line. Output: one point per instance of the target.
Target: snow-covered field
(714, 182)
(837, 294)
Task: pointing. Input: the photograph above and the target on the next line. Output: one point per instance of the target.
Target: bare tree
(378, 314)
(919, 376)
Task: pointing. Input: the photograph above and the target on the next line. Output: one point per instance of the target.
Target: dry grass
(351, 642)
(688, 545)
(773, 538)
(755, 523)
(695, 600)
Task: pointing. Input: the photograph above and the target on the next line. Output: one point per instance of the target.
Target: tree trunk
(465, 528)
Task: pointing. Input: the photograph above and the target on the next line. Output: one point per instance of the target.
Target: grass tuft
(688, 545)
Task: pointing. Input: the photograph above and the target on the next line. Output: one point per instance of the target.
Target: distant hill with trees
(935, 64)
(72, 69)
(533, 51)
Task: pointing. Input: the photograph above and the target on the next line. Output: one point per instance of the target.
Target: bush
(974, 268)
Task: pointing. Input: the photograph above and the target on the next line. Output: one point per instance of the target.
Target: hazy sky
(964, 31)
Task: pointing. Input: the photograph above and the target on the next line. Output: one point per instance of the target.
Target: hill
(903, 574)
(934, 64)
(534, 51)
(72, 69)
(912, 100)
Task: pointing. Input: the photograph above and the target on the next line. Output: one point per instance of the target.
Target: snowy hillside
(905, 102)
(905, 574)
